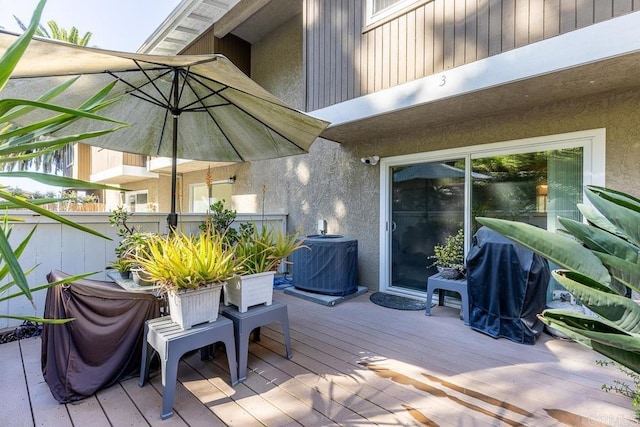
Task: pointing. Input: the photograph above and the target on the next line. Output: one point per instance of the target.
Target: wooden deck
(354, 364)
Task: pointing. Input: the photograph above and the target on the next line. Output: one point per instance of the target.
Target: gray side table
(254, 317)
(172, 342)
(458, 285)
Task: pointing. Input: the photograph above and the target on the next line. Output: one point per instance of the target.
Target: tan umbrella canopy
(197, 107)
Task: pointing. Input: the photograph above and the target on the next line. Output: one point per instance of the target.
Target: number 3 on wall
(443, 80)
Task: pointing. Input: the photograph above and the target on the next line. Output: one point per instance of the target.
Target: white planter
(249, 290)
(194, 306)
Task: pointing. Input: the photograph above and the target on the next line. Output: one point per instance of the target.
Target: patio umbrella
(196, 107)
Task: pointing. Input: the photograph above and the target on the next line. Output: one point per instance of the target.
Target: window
(201, 197)
(379, 9)
(67, 153)
(137, 201)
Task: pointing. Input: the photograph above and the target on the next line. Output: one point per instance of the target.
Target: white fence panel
(57, 246)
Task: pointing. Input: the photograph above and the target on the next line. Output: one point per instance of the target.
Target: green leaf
(627, 273)
(49, 145)
(10, 259)
(40, 319)
(12, 55)
(623, 212)
(69, 279)
(618, 197)
(565, 252)
(68, 113)
(17, 251)
(601, 241)
(23, 203)
(39, 202)
(56, 180)
(47, 96)
(616, 309)
(595, 218)
(590, 332)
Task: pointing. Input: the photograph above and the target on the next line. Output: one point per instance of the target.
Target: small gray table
(458, 285)
(172, 342)
(254, 317)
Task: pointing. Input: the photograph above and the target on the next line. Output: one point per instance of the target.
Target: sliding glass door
(429, 196)
(427, 206)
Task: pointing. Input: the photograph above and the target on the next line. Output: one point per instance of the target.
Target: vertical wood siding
(345, 59)
(83, 161)
(134, 160)
(237, 50)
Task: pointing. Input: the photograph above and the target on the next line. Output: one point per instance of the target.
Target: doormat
(397, 302)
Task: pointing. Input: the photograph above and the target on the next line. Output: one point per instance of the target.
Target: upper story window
(380, 9)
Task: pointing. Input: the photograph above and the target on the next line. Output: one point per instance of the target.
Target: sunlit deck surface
(354, 364)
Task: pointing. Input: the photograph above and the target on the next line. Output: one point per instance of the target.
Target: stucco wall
(331, 183)
(276, 62)
(616, 111)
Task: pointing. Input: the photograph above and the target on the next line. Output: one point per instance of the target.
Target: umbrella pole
(172, 218)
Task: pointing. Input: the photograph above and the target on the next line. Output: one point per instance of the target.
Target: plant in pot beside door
(192, 271)
(259, 253)
(449, 258)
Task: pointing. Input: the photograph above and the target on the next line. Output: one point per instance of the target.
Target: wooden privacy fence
(57, 246)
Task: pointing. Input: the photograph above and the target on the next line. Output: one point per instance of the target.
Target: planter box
(249, 290)
(192, 307)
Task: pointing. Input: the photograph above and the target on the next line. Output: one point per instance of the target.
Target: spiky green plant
(598, 261)
(179, 261)
(265, 249)
(25, 142)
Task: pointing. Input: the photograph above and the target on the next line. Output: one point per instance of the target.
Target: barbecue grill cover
(507, 287)
(102, 345)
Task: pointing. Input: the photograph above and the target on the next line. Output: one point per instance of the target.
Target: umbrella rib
(153, 82)
(139, 93)
(199, 99)
(164, 126)
(225, 135)
(204, 108)
(220, 94)
(146, 96)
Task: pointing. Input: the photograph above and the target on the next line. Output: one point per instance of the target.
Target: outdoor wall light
(229, 180)
(372, 160)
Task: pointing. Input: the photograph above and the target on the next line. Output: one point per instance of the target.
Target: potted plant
(133, 247)
(449, 258)
(191, 270)
(260, 253)
(122, 266)
(133, 241)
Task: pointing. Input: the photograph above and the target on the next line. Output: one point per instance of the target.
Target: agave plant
(599, 261)
(179, 261)
(264, 250)
(31, 140)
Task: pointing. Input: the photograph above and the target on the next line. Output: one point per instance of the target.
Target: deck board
(46, 410)
(14, 403)
(354, 364)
